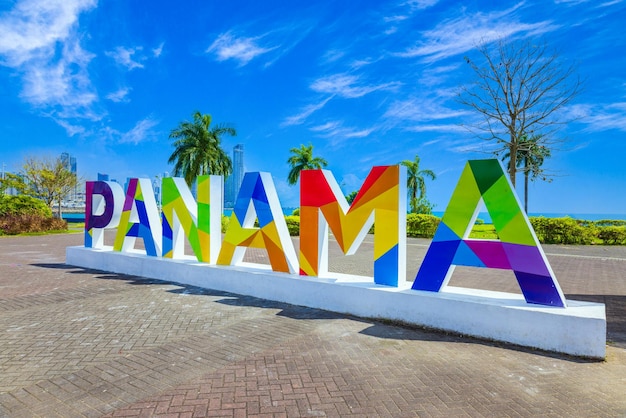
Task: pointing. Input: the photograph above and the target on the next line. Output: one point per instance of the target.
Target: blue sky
(367, 83)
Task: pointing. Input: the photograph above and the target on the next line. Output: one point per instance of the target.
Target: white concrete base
(579, 329)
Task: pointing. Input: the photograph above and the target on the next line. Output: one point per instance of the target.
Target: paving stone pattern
(85, 343)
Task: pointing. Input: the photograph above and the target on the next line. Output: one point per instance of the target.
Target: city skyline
(367, 84)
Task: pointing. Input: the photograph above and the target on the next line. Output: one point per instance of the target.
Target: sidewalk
(75, 342)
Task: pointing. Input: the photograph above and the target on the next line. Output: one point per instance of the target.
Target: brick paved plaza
(76, 342)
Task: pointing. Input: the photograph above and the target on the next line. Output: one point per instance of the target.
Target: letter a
(518, 248)
(257, 198)
(139, 219)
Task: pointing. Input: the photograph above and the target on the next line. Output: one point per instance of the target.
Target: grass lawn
(485, 231)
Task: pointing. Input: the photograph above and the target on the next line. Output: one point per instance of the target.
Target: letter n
(258, 199)
(140, 219)
(518, 248)
(381, 199)
(199, 221)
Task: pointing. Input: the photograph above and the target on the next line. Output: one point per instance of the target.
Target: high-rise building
(69, 163)
(233, 182)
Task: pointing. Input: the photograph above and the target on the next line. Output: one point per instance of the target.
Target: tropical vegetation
(530, 158)
(519, 89)
(416, 186)
(26, 214)
(302, 159)
(198, 150)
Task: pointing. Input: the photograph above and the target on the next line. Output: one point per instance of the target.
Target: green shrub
(610, 222)
(24, 214)
(612, 235)
(26, 223)
(23, 205)
(225, 223)
(562, 231)
(296, 212)
(484, 231)
(293, 224)
(421, 226)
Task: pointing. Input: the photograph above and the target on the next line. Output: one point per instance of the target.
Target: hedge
(24, 214)
(562, 231)
(548, 230)
(417, 225)
(421, 226)
(23, 205)
(612, 235)
(26, 223)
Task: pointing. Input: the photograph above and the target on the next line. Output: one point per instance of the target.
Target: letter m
(381, 199)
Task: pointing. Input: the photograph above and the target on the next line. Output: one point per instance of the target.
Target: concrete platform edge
(578, 330)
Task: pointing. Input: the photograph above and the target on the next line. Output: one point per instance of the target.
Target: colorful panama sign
(381, 199)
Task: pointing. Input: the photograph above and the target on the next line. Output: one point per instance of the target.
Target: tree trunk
(513, 160)
(526, 186)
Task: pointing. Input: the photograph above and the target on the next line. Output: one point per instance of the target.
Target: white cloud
(570, 2)
(328, 126)
(413, 7)
(141, 132)
(347, 86)
(609, 3)
(356, 64)
(70, 128)
(443, 128)
(62, 83)
(333, 55)
(156, 52)
(350, 182)
(307, 111)
(242, 49)
(38, 39)
(437, 75)
(119, 95)
(458, 35)
(395, 18)
(599, 117)
(337, 133)
(421, 4)
(423, 109)
(32, 28)
(127, 57)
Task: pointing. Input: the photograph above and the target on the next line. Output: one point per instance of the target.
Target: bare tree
(519, 90)
(530, 158)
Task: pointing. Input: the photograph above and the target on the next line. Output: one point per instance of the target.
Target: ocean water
(581, 216)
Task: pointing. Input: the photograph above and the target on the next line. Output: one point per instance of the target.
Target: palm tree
(197, 149)
(531, 156)
(416, 185)
(302, 159)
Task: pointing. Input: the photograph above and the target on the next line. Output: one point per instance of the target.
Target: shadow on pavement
(615, 313)
(412, 332)
(231, 299)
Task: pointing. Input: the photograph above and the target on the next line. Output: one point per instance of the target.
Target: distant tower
(69, 163)
(233, 182)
